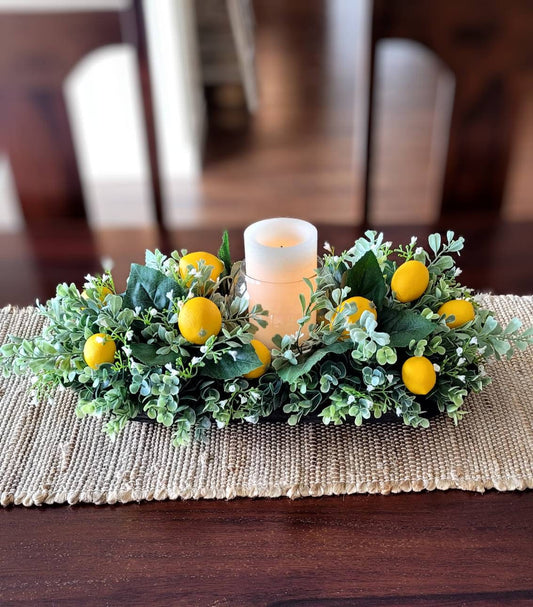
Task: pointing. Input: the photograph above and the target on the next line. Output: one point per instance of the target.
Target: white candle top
(280, 250)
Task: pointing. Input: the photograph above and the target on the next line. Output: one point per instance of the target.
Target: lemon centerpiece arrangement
(388, 330)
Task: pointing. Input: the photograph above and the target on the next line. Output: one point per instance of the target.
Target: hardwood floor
(296, 156)
(302, 153)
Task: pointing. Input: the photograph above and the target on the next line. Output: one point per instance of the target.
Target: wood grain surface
(440, 548)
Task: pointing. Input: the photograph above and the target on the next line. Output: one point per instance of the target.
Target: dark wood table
(438, 548)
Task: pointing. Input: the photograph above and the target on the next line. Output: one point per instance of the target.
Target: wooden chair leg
(480, 144)
(36, 134)
(370, 131)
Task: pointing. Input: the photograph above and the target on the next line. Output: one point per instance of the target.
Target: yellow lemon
(363, 304)
(463, 312)
(99, 349)
(199, 319)
(193, 259)
(410, 281)
(418, 375)
(103, 293)
(263, 353)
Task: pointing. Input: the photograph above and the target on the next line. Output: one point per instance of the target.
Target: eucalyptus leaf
(513, 326)
(434, 241)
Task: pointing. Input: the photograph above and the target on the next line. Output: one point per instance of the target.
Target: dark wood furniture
(38, 52)
(488, 46)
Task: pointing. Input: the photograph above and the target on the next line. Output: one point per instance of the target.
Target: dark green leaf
(366, 279)
(148, 288)
(291, 373)
(242, 361)
(224, 252)
(388, 270)
(403, 326)
(146, 354)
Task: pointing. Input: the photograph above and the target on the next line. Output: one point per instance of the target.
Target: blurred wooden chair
(488, 45)
(38, 52)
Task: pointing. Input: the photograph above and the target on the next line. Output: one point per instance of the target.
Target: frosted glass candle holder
(281, 300)
(279, 253)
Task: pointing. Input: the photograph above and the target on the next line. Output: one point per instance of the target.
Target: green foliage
(365, 278)
(224, 252)
(404, 325)
(232, 363)
(149, 288)
(148, 354)
(333, 369)
(293, 371)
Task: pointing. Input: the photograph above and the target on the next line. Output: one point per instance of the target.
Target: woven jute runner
(48, 456)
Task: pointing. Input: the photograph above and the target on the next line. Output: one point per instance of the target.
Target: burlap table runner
(48, 456)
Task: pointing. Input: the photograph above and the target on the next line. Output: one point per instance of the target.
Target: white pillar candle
(279, 253)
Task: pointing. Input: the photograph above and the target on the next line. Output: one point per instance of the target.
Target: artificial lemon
(199, 319)
(460, 309)
(363, 304)
(263, 353)
(103, 292)
(418, 375)
(193, 259)
(410, 280)
(99, 349)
